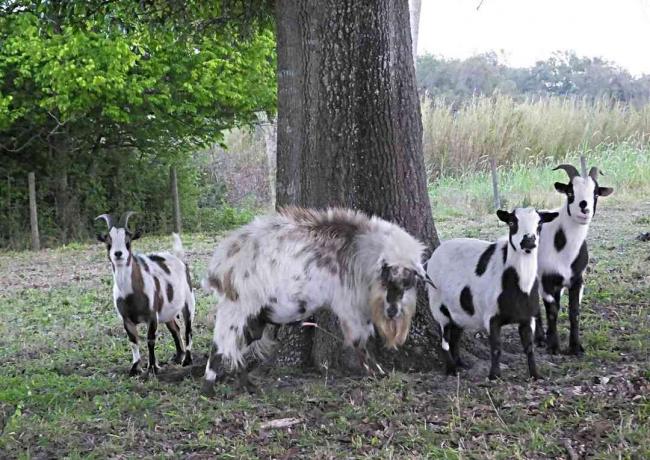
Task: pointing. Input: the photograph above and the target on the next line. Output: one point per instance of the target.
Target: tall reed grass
(461, 138)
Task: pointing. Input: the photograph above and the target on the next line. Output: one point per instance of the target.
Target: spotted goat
(483, 285)
(150, 289)
(282, 268)
(563, 255)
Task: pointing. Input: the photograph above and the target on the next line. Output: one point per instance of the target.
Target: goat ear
(101, 238)
(504, 216)
(546, 217)
(137, 234)
(560, 187)
(605, 191)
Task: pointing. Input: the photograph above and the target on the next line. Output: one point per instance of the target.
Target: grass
(460, 138)
(64, 391)
(625, 168)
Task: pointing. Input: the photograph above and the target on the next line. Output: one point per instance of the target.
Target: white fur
(271, 263)
(452, 267)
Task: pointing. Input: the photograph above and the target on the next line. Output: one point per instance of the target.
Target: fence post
(33, 216)
(583, 166)
(495, 184)
(176, 207)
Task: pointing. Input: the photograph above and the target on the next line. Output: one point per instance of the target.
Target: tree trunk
(33, 215)
(350, 133)
(414, 9)
(176, 205)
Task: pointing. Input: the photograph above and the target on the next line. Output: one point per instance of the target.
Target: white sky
(530, 30)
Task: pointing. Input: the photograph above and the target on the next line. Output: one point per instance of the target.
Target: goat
(281, 268)
(563, 255)
(483, 285)
(149, 289)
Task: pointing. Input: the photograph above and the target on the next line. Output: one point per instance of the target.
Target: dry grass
(460, 139)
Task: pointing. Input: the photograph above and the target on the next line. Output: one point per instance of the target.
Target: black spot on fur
(161, 261)
(580, 263)
(302, 306)
(504, 251)
(445, 311)
(273, 299)
(143, 263)
(560, 240)
(170, 292)
(134, 307)
(552, 283)
(466, 301)
(516, 306)
(484, 260)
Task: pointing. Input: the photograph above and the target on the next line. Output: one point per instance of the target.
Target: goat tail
(178, 246)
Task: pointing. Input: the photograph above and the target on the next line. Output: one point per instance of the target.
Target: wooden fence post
(33, 216)
(583, 166)
(176, 207)
(495, 184)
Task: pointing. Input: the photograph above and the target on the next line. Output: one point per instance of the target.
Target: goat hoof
(188, 359)
(207, 389)
(553, 349)
(536, 376)
(540, 342)
(463, 364)
(178, 358)
(136, 370)
(451, 370)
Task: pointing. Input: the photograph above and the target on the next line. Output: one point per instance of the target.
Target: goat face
(393, 298)
(582, 194)
(525, 224)
(118, 244)
(118, 239)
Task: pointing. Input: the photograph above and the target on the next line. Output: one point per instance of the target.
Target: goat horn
(125, 218)
(107, 218)
(593, 172)
(570, 170)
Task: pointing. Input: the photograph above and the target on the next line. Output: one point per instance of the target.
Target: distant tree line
(562, 74)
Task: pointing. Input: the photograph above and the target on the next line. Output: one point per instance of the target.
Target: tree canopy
(84, 86)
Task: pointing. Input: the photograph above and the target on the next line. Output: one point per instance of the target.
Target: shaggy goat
(281, 268)
(149, 289)
(483, 285)
(563, 254)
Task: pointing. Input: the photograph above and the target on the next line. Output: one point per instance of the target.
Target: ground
(64, 389)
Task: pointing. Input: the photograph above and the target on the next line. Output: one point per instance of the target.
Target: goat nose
(583, 205)
(118, 254)
(392, 311)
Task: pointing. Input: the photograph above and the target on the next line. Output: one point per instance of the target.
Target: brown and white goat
(151, 289)
(281, 268)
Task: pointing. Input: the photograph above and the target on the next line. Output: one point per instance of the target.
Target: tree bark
(350, 133)
(33, 215)
(176, 205)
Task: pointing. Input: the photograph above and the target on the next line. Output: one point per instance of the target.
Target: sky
(531, 30)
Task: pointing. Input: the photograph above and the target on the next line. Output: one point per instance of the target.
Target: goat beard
(396, 330)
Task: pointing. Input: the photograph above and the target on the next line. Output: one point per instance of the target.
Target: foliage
(562, 74)
(90, 91)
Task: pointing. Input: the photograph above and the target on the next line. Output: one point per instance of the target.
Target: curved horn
(124, 221)
(107, 218)
(570, 170)
(593, 172)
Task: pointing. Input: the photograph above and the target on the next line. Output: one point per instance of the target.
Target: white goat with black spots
(563, 255)
(151, 289)
(483, 285)
(281, 268)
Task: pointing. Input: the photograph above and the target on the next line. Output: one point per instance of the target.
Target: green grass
(64, 391)
(625, 168)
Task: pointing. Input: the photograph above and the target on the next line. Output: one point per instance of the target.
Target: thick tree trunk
(349, 130)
